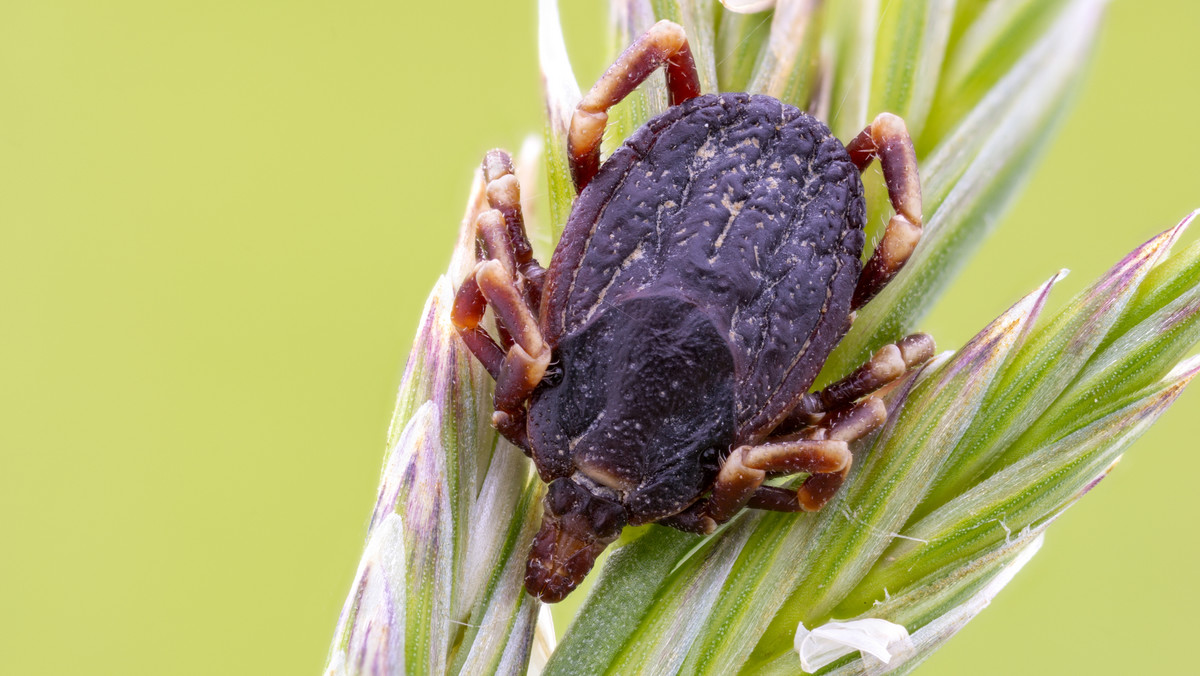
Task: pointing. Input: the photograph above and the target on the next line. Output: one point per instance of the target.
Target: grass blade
(786, 67)
(1055, 354)
(629, 585)
(739, 41)
(562, 95)
(970, 176)
(1020, 496)
(848, 538)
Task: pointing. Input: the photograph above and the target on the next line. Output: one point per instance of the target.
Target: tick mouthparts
(559, 560)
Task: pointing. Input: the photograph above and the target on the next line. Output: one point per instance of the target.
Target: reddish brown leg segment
(694, 519)
(664, 44)
(818, 489)
(812, 495)
(509, 280)
(832, 415)
(855, 422)
(468, 310)
(821, 450)
(844, 426)
(527, 359)
(775, 499)
(747, 467)
(504, 196)
(887, 140)
(885, 366)
(848, 424)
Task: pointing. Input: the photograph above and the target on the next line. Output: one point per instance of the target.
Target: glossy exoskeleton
(658, 370)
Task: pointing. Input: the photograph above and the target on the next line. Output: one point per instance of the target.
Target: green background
(218, 222)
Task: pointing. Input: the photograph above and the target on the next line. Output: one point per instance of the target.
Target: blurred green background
(219, 220)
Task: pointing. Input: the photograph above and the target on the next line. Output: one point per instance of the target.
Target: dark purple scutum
(645, 402)
(742, 205)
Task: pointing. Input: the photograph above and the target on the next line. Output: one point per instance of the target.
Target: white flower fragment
(832, 641)
(748, 6)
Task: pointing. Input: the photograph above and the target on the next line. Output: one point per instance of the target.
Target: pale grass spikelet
(439, 589)
(983, 449)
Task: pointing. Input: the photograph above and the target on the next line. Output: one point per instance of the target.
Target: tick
(658, 371)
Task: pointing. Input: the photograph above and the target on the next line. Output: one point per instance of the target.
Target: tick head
(577, 525)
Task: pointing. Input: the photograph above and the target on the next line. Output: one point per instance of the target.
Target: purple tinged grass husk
(1054, 355)
(1021, 496)
(445, 517)
(852, 531)
(663, 601)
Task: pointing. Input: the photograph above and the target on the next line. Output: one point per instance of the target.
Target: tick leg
(887, 140)
(694, 519)
(747, 467)
(849, 424)
(504, 197)
(516, 372)
(664, 44)
(470, 304)
(844, 426)
(822, 451)
(830, 416)
(509, 279)
(775, 499)
(466, 314)
(886, 365)
(527, 359)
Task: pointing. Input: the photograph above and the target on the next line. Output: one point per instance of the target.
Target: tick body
(658, 370)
